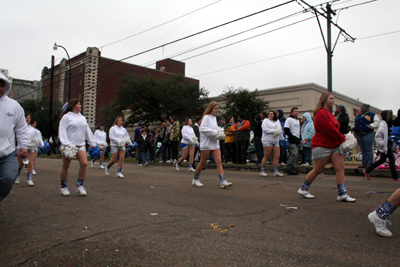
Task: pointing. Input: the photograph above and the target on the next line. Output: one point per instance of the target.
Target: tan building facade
(305, 97)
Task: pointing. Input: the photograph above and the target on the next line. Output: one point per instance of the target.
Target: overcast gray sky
(281, 55)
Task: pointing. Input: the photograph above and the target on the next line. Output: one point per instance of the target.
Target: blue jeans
(366, 142)
(293, 157)
(142, 158)
(307, 152)
(8, 174)
(259, 149)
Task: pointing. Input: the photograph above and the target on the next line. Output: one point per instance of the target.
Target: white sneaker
(160, 161)
(107, 171)
(177, 167)
(306, 164)
(184, 160)
(34, 172)
(225, 184)
(278, 173)
(30, 183)
(263, 174)
(191, 169)
(17, 180)
(197, 183)
(65, 191)
(91, 163)
(120, 175)
(380, 224)
(305, 193)
(146, 164)
(169, 161)
(346, 198)
(81, 190)
(283, 164)
(101, 167)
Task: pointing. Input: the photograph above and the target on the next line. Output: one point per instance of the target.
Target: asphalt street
(155, 217)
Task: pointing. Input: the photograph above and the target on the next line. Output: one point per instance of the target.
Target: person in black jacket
(143, 142)
(396, 122)
(257, 138)
(343, 118)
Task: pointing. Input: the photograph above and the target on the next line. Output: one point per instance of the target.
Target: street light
(69, 73)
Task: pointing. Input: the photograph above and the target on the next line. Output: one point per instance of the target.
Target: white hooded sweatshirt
(208, 131)
(73, 129)
(12, 121)
(116, 134)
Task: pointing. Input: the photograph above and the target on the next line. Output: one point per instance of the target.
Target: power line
(159, 25)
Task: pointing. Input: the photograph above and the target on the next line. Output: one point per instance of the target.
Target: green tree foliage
(39, 109)
(152, 100)
(242, 101)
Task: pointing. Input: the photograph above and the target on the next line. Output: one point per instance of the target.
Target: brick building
(96, 79)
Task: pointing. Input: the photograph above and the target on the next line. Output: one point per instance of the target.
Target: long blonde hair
(210, 108)
(116, 120)
(322, 101)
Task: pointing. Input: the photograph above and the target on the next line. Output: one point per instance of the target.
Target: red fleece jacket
(326, 130)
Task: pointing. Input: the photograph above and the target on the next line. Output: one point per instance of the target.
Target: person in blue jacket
(307, 133)
(364, 125)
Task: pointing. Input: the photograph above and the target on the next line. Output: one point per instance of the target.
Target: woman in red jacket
(326, 147)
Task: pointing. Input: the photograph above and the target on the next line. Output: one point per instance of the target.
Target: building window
(79, 96)
(80, 81)
(81, 67)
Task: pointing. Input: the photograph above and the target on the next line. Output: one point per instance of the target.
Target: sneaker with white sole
(65, 191)
(169, 161)
(305, 193)
(264, 174)
(191, 169)
(278, 173)
(197, 183)
(17, 180)
(306, 164)
(380, 224)
(283, 164)
(91, 163)
(33, 172)
(120, 175)
(160, 161)
(177, 167)
(225, 184)
(30, 183)
(346, 198)
(107, 171)
(81, 190)
(146, 164)
(101, 167)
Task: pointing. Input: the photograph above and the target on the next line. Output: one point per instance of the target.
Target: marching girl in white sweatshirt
(210, 144)
(74, 130)
(117, 134)
(101, 136)
(41, 144)
(187, 144)
(32, 151)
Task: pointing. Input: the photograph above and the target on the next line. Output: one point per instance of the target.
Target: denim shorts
(80, 148)
(323, 152)
(115, 149)
(271, 143)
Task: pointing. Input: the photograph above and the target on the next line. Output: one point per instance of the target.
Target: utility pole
(51, 98)
(328, 43)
